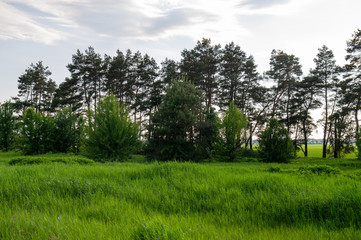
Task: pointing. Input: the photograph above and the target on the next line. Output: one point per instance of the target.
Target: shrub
(233, 134)
(29, 160)
(67, 132)
(275, 144)
(36, 132)
(7, 126)
(110, 133)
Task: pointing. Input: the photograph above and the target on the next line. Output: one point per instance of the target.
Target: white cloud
(15, 24)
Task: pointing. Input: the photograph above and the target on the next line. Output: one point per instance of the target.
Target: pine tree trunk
(324, 147)
(305, 138)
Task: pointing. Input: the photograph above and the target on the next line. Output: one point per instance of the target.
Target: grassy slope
(179, 201)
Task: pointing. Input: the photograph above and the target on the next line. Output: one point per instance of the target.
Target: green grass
(140, 200)
(315, 151)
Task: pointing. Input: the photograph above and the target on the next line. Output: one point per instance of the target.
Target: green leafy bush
(36, 132)
(41, 133)
(275, 144)
(318, 169)
(7, 126)
(233, 135)
(29, 160)
(67, 131)
(111, 134)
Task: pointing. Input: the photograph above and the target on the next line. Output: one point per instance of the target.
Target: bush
(40, 133)
(233, 135)
(110, 133)
(29, 160)
(275, 144)
(67, 132)
(36, 133)
(7, 126)
(318, 169)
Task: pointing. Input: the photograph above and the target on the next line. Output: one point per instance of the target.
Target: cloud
(16, 24)
(263, 3)
(137, 19)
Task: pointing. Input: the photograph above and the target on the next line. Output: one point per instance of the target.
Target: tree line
(222, 75)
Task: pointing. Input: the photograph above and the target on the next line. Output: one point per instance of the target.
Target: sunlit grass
(315, 151)
(173, 200)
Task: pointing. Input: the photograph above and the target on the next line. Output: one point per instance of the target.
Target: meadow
(305, 199)
(315, 151)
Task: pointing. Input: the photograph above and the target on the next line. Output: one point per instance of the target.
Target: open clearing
(139, 200)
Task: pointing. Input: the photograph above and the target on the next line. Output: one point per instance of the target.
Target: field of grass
(140, 200)
(315, 151)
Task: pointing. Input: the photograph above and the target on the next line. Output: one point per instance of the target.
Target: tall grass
(177, 201)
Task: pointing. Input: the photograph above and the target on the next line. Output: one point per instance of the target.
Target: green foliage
(208, 135)
(40, 133)
(36, 132)
(67, 132)
(29, 160)
(172, 126)
(318, 169)
(110, 133)
(7, 126)
(275, 145)
(234, 133)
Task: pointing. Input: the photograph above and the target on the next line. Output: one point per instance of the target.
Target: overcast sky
(52, 30)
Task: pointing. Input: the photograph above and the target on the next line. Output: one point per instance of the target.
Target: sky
(52, 30)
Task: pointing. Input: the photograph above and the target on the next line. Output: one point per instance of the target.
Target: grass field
(315, 151)
(140, 200)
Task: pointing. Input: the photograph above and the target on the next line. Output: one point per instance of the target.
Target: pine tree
(68, 94)
(326, 71)
(232, 71)
(36, 88)
(200, 65)
(351, 85)
(117, 77)
(87, 71)
(285, 71)
(172, 127)
(307, 98)
(169, 71)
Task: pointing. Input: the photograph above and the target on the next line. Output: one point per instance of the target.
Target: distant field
(315, 151)
(140, 200)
